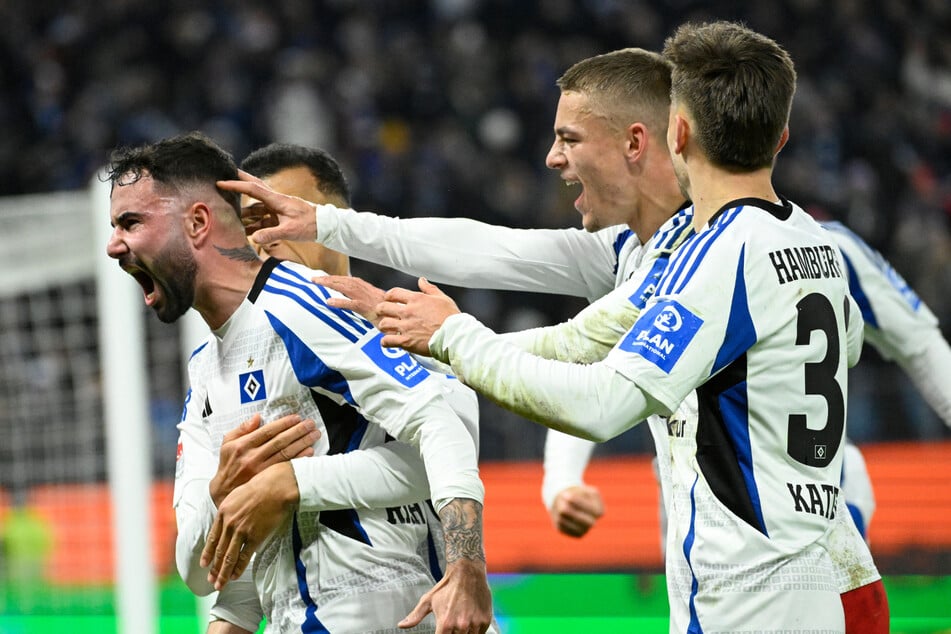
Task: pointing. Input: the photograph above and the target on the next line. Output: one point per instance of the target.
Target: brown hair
(624, 86)
(738, 86)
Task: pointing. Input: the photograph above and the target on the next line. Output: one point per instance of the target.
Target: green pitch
(525, 604)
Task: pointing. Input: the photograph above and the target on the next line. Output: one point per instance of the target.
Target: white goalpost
(126, 412)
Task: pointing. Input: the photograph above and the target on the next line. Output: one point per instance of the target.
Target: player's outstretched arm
(458, 251)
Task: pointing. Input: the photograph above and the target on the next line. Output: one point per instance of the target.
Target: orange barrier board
(910, 480)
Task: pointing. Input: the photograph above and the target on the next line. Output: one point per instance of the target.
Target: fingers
(340, 283)
(211, 543)
(244, 428)
(429, 288)
(275, 428)
(389, 324)
(395, 341)
(229, 562)
(247, 184)
(422, 608)
(399, 295)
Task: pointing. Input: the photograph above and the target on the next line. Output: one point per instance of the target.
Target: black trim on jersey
(269, 265)
(340, 423)
(782, 211)
(715, 452)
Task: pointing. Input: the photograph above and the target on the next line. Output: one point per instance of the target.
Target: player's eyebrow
(124, 216)
(565, 131)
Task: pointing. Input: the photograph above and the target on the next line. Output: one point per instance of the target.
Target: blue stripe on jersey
(188, 397)
(357, 437)
(309, 369)
(857, 518)
(681, 222)
(311, 624)
(702, 246)
(619, 242)
(694, 626)
(740, 333)
(320, 314)
(434, 567)
(644, 292)
(876, 258)
(734, 406)
(197, 350)
(288, 276)
(858, 293)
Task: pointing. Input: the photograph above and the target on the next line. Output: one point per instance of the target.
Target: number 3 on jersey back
(811, 446)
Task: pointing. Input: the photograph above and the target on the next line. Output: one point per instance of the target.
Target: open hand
(409, 319)
(277, 217)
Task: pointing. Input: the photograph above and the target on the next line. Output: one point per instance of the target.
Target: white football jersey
(285, 351)
(770, 362)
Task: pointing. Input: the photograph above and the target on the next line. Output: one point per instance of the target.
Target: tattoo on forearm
(242, 254)
(462, 524)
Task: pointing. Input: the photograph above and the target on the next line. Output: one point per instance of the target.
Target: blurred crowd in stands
(445, 107)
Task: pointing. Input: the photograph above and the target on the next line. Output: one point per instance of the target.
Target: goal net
(63, 525)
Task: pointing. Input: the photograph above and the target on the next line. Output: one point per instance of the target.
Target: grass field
(525, 604)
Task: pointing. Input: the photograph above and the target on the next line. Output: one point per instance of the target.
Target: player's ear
(198, 220)
(681, 133)
(636, 141)
(782, 140)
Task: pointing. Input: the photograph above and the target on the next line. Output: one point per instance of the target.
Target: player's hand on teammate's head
(409, 318)
(576, 509)
(275, 216)
(359, 295)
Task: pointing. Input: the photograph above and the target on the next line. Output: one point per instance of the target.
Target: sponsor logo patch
(251, 386)
(395, 361)
(662, 334)
(646, 289)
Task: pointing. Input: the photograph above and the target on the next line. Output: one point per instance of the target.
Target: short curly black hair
(176, 162)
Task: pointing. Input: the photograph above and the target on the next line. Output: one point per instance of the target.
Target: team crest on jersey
(395, 361)
(662, 333)
(251, 386)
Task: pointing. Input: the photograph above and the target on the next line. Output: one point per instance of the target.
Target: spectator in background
(442, 108)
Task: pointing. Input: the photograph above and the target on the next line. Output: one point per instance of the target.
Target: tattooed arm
(463, 592)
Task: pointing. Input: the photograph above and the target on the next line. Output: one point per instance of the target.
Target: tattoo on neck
(242, 254)
(462, 524)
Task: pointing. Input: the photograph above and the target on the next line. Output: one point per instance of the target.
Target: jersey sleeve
(898, 324)
(857, 488)
(338, 353)
(195, 466)
(468, 253)
(590, 401)
(894, 315)
(566, 458)
(238, 604)
(376, 477)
